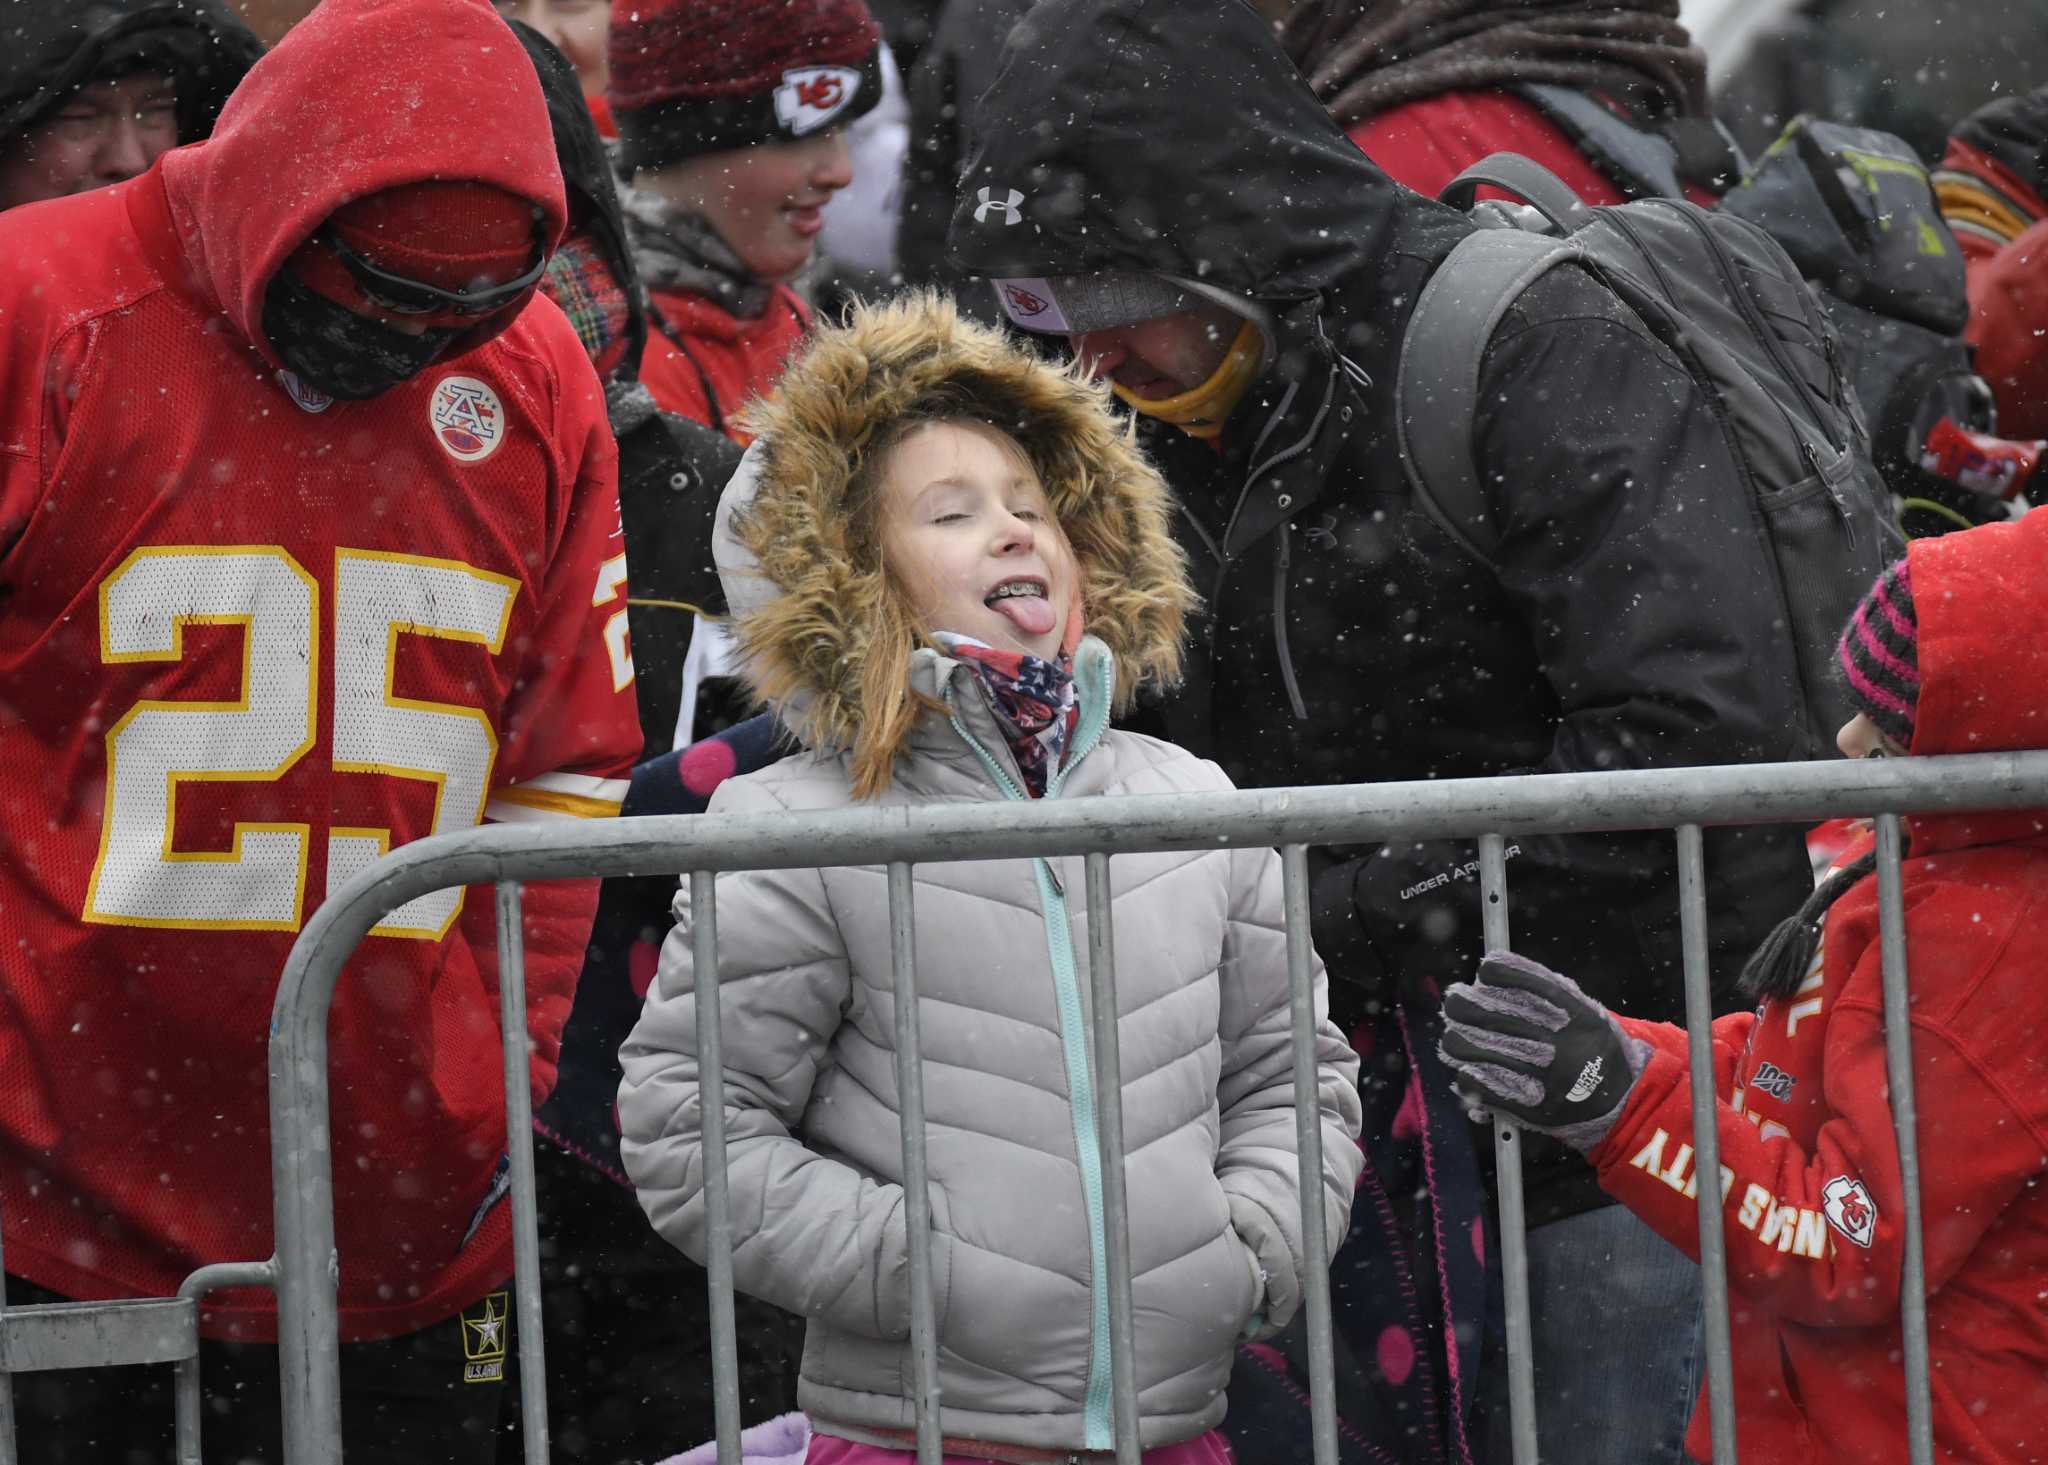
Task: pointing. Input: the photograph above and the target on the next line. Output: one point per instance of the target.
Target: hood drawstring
(1778, 967)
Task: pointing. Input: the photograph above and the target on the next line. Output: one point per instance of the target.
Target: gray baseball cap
(1077, 304)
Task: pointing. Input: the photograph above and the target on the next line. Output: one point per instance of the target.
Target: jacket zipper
(1059, 941)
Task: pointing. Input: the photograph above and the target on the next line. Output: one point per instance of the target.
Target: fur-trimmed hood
(826, 636)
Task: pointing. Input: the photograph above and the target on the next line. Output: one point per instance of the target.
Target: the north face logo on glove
(811, 96)
(1588, 1080)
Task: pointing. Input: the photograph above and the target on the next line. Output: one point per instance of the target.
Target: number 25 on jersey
(158, 748)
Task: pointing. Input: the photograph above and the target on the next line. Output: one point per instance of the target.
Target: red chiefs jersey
(1813, 1202)
(704, 363)
(1426, 143)
(252, 637)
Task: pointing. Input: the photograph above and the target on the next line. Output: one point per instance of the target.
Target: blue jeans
(1617, 1328)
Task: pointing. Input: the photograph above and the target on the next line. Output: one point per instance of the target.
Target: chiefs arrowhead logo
(811, 96)
(1024, 302)
(1850, 1210)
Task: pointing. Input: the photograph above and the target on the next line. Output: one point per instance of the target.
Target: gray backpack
(1724, 297)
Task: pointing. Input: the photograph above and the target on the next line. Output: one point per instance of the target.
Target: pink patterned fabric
(1208, 1449)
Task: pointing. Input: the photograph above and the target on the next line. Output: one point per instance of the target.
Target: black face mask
(341, 353)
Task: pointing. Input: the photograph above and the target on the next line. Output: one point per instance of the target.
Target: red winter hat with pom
(702, 76)
(453, 235)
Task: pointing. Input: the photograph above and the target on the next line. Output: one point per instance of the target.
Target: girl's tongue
(1031, 614)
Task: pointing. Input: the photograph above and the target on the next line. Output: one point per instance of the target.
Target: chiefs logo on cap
(1024, 302)
(811, 96)
(467, 418)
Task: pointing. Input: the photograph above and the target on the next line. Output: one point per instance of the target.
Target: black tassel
(1778, 966)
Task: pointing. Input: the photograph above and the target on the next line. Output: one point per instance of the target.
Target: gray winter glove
(1526, 1042)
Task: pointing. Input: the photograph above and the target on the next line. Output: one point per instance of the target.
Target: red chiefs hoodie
(249, 638)
(705, 363)
(1810, 1172)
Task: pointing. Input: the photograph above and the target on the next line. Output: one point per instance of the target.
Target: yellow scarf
(1200, 411)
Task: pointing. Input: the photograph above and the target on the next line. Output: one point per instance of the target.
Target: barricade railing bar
(305, 1268)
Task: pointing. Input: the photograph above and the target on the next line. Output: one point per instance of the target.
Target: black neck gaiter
(334, 349)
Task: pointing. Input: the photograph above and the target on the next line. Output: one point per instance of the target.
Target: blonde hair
(832, 652)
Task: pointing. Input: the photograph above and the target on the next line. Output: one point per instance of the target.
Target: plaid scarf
(581, 281)
(1033, 699)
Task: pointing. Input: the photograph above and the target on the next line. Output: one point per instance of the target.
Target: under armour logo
(987, 203)
(1589, 1080)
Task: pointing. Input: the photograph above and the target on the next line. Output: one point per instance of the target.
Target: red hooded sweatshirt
(704, 363)
(1810, 1168)
(249, 638)
(1426, 143)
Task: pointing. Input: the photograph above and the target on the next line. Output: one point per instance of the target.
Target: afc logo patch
(1850, 1210)
(1773, 1080)
(467, 418)
(811, 96)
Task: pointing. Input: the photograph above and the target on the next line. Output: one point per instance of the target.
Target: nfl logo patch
(305, 398)
(467, 418)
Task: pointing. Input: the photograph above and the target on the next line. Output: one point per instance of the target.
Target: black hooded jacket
(671, 470)
(1633, 620)
(52, 48)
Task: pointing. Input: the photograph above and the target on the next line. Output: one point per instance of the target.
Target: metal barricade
(305, 1269)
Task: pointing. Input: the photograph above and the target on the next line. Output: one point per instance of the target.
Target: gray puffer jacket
(806, 976)
(1002, 960)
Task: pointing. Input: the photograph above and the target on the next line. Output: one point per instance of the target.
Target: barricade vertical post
(1507, 1162)
(1706, 1104)
(7, 1445)
(1898, 1062)
(917, 1201)
(533, 1365)
(1308, 1150)
(1109, 1119)
(725, 1362)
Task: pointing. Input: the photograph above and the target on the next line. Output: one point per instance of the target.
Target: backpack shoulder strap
(1644, 163)
(1436, 391)
(1527, 180)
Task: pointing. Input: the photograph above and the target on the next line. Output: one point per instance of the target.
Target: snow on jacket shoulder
(249, 638)
(806, 992)
(1814, 1202)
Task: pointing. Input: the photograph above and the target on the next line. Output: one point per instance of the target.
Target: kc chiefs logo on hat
(811, 96)
(1032, 304)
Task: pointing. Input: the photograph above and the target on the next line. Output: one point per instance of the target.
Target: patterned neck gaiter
(580, 280)
(1033, 699)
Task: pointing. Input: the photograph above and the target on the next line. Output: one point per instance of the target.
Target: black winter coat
(1633, 622)
(671, 470)
(50, 50)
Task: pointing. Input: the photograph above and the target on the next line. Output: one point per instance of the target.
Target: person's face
(963, 516)
(1164, 356)
(270, 19)
(110, 132)
(1860, 737)
(577, 28)
(767, 202)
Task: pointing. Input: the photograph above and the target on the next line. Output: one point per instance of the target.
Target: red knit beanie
(702, 76)
(453, 235)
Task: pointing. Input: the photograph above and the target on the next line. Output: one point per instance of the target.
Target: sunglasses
(402, 296)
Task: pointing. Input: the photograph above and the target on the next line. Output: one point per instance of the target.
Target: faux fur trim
(812, 651)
